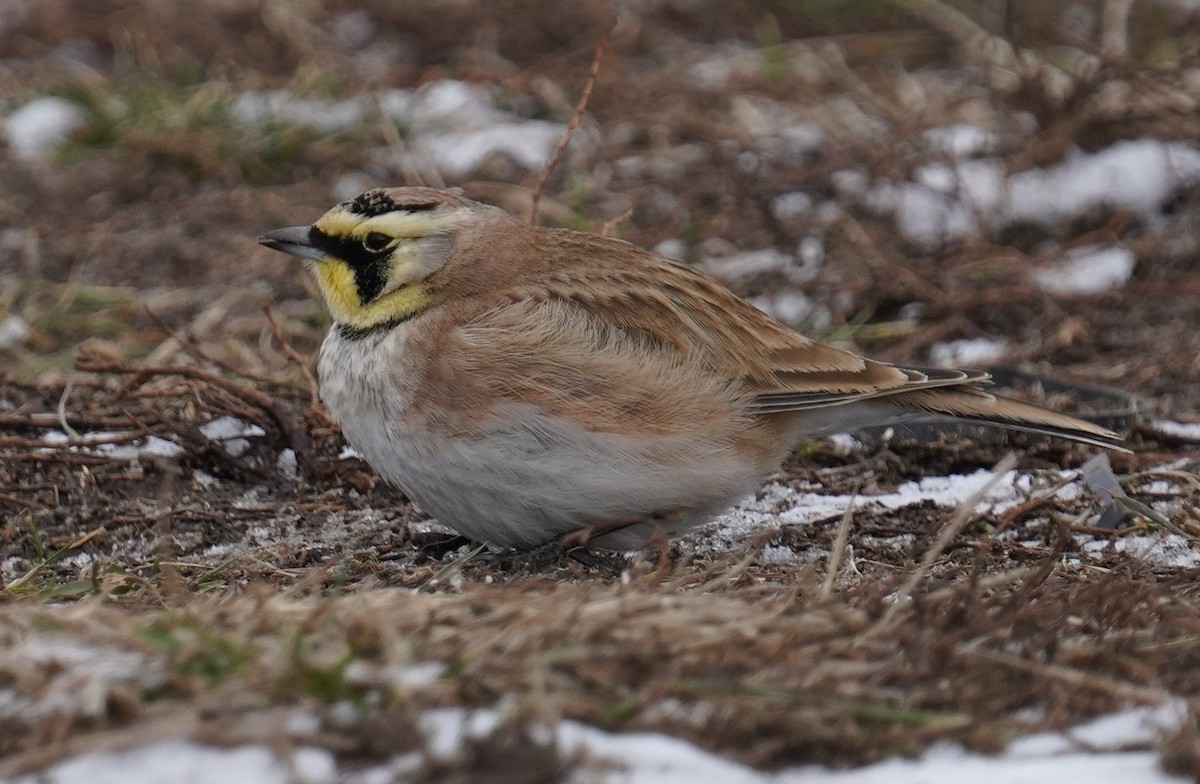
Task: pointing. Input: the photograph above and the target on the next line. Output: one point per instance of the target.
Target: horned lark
(527, 385)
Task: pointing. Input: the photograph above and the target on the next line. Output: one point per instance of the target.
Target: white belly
(526, 478)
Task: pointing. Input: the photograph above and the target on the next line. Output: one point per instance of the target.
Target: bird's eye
(376, 242)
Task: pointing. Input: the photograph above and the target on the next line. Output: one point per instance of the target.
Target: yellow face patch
(405, 293)
(402, 299)
(341, 295)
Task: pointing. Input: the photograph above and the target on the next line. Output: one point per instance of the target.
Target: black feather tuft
(371, 203)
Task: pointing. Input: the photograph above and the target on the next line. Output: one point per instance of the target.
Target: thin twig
(44, 419)
(57, 555)
(211, 315)
(729, 575)
(297, 435)
(609, 226)
(314, 390)
(454, 566)
(5, 498)
(576, 118)
(165, 545)
(1020, 574)
(62, 413)
(93, 362)
(102, 439)
(196, 350)
(839, 547)
(293, 431)
(57, 456)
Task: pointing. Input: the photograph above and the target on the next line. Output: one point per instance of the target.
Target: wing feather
(676, 309)
(679, 318)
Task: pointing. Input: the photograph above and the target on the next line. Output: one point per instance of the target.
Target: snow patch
(1188, 430)
(78, 676)
(455, 124)
(232, 433)
(961, 141)
(778, 505)
(975, 352)
(36, 129)
(791, 207)
(1094, 753)
(186, 762)
(151, 447)
(747, 265)
(14, 331)
(844, 444)
(459, 151)
(672, 248)
(1089, 270)
(1160, 549)
(810, 254)
(741, 268)
(154, 446)
(1137, 176)
(286, 108)
(790, 307)
(949, 201)
(287, 465)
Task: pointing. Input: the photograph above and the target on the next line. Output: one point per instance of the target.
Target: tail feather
(977, 405)
(951, 393)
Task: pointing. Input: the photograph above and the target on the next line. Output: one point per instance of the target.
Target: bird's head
(374, 254)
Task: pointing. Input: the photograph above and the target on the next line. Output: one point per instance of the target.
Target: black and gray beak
(296, 240)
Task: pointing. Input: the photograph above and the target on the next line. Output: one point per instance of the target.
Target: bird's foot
(534, 559)
(573, 545)
(553, 553)
(436, 545)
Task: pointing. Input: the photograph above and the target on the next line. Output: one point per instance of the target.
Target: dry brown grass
(759, 669)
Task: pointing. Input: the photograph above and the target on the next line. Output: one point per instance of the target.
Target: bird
(533, 387)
